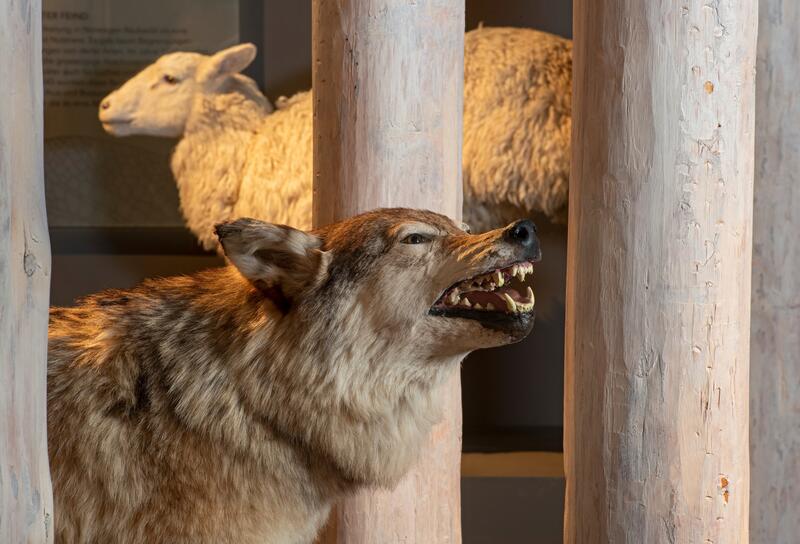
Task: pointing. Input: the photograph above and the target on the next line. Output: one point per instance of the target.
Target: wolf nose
(523, 233)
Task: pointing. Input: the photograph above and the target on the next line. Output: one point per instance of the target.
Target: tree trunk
(26, 502)
(658, 277)
(388, 92)
(775, 353)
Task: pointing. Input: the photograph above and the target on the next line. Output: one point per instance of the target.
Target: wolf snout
(523, 234)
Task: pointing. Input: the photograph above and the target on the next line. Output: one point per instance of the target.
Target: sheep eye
(169, 79)
(416, 239)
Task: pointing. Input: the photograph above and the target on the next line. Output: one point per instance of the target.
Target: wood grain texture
(26, 502)
(775, 348)
(388, 102)
(659, 269)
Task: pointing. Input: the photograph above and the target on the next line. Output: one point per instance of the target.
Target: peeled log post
(26, 502)
(658, 285)
(388, 92)
(775, 350)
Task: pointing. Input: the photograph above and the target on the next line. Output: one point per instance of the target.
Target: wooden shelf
(521, 464)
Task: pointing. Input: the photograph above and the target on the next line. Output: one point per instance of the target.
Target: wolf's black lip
(495, 320)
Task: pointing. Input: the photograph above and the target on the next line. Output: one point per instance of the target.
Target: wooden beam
(775, 350)
(388, 92)
(658, 276)
(26, 502)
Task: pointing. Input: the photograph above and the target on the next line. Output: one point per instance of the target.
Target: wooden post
(388, 92)
(775, 351)
(658, 279)
(26, 502)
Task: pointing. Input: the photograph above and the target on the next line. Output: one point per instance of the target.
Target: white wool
(517, 125)
(236, 159)
(211, 161)
(276, 184)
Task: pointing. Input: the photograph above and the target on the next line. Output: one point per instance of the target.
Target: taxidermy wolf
(237, 404)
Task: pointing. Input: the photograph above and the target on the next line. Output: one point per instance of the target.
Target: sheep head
(158, 100)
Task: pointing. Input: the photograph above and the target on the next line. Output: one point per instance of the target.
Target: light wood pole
(388, 92)
(659, 267)
(26, 502)
(775, 349)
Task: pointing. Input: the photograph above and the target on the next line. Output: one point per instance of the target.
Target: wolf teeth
(510, 304)
(521, 270)
(492, 281)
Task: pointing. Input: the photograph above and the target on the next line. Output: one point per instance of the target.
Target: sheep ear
(281, 261)
(228, 61)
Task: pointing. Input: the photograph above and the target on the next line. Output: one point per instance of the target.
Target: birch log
(775, 353)
(659, 267)
(388, 92)
(26, 502)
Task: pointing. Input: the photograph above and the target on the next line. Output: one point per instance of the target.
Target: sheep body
(238, 160)
(278, 184)
(223, 133)
(517, 125)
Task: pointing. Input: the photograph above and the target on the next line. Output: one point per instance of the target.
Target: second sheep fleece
(238, 158)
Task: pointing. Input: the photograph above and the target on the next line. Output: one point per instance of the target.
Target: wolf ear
(279, 260)
(228, 61)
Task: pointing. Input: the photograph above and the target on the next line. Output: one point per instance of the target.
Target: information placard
(91, 47)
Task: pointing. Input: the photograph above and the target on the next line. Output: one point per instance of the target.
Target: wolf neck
(208, 162)
(375, 431)
(357, 404)
(365, 403)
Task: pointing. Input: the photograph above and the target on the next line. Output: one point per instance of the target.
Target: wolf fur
(235, 405)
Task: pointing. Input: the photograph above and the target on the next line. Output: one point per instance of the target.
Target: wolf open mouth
(497, 296)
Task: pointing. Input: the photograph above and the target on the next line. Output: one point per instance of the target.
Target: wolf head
(395, 275)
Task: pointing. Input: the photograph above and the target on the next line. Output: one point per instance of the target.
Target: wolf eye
(170, 79)
(416, 239)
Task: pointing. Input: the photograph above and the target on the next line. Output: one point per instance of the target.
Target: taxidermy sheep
(239, 158)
